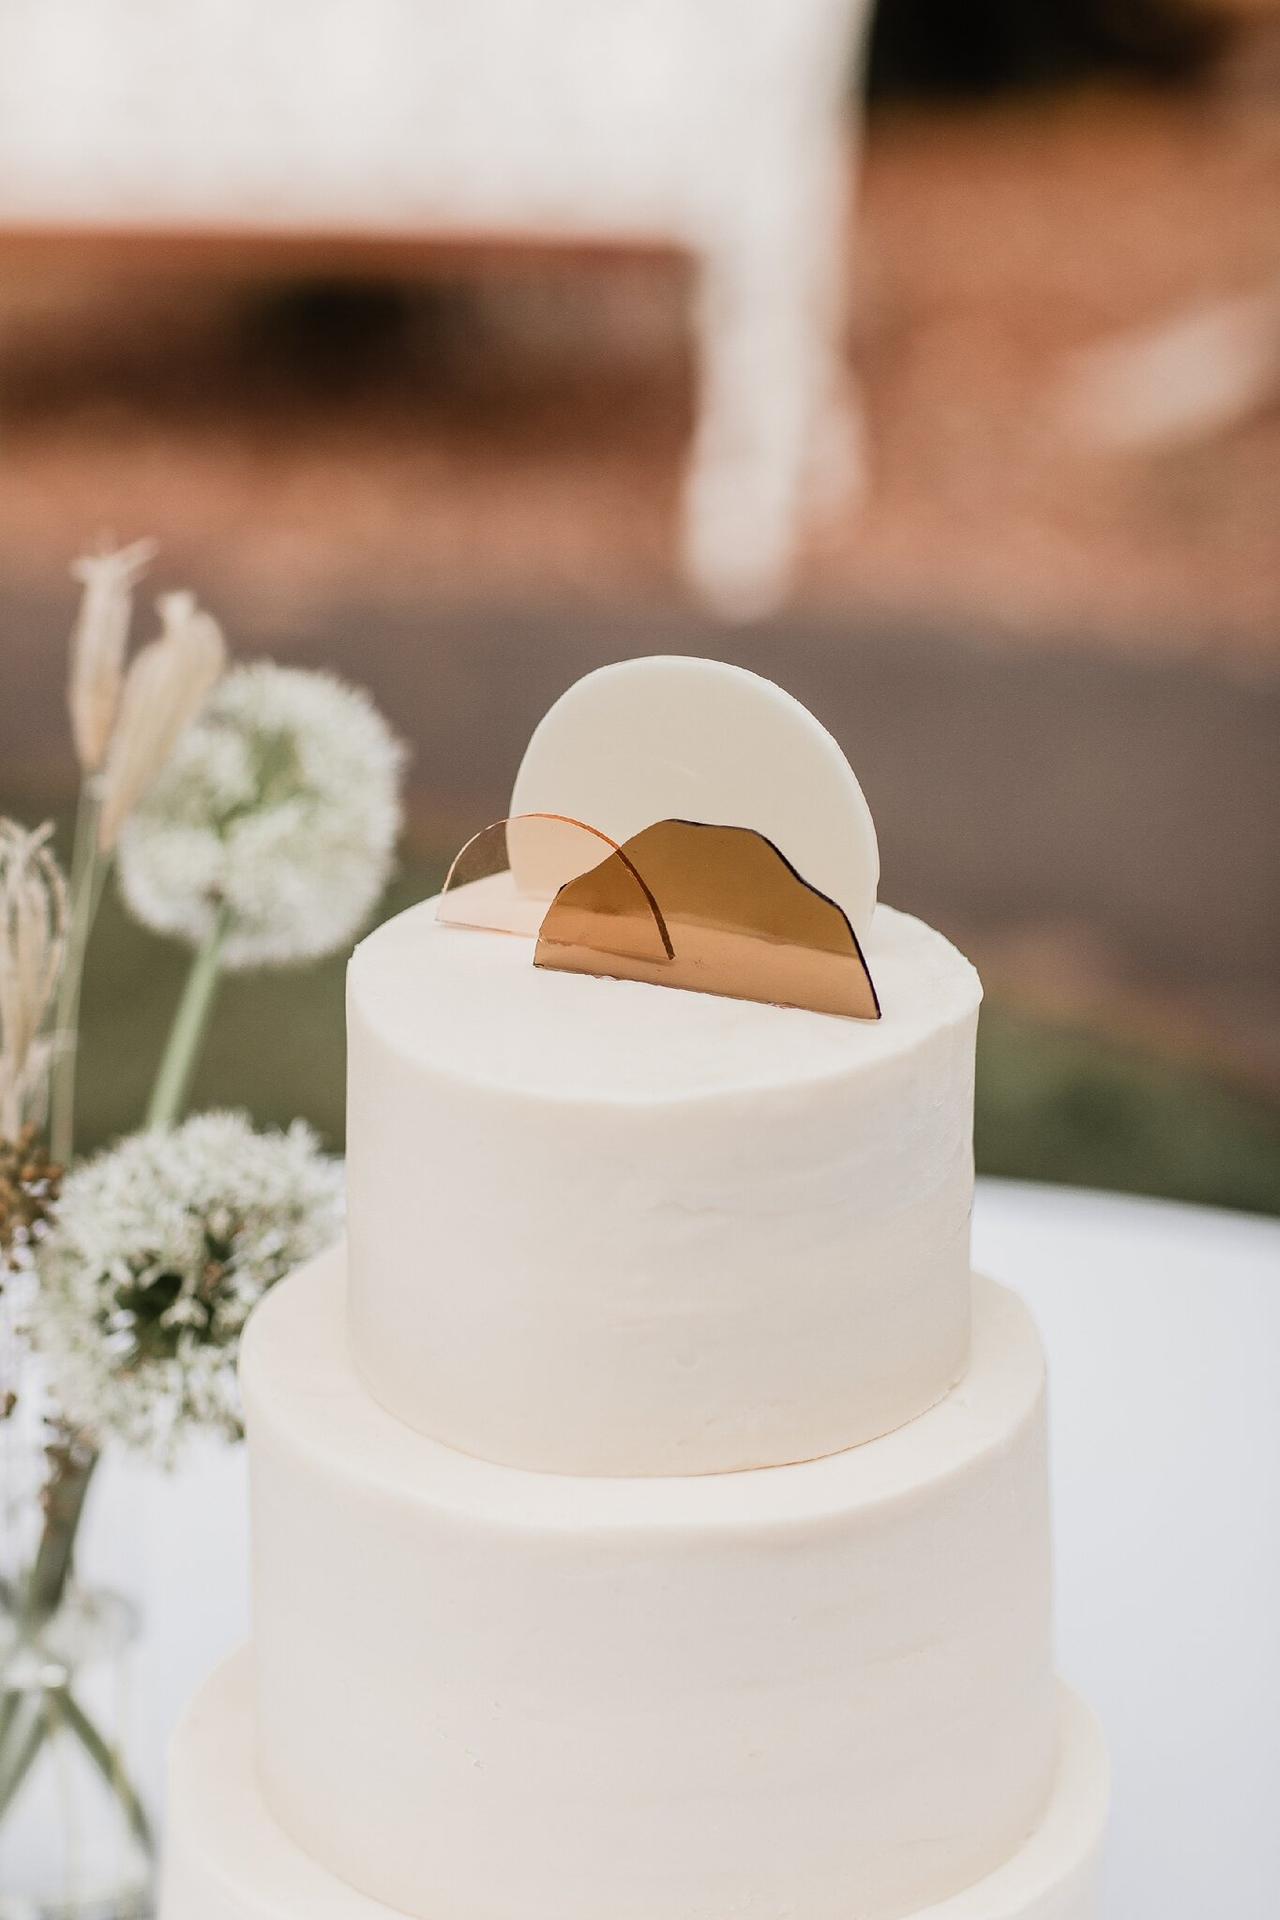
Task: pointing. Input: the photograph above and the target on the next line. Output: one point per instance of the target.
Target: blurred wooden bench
(720, 127)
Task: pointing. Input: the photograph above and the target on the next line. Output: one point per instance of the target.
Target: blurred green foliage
(1066, 1105)
(1052, 1104)
(276, 1043)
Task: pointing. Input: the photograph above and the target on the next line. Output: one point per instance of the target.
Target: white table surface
(1162, 1325)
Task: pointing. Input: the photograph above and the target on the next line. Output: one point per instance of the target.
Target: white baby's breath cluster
(278, 810)
(160, 1250)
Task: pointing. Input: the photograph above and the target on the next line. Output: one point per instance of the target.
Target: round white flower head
(160, 1249)
(281, 805)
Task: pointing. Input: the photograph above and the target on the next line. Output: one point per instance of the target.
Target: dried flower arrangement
(253, 813)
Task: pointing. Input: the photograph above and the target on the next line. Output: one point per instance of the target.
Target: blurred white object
(1186, 378)
(720, 126)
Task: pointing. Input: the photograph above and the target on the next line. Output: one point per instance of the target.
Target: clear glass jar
(75, 1841)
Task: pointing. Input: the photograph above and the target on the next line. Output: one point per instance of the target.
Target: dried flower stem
(33, 930)
(88, 872)
(190, 1024)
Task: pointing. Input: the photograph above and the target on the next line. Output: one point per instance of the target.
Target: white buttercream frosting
(821, 1690)
(228, 1860)
(599, 1227)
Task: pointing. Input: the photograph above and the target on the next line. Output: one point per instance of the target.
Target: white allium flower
(160, 1249)
(281, 804)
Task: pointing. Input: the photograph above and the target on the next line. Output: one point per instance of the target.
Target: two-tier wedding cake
(650, 1517)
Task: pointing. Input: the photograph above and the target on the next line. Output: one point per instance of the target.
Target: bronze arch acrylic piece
(681, 904)
(737, 919)
(480, 893)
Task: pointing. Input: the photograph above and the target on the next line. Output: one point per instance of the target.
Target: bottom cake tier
(483, 1693)
(227, 1860)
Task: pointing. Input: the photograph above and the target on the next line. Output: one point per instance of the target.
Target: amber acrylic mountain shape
(737, 919)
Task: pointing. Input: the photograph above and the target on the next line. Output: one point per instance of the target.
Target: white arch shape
(670, 737)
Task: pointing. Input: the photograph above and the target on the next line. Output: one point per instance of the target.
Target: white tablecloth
(1163, 1330)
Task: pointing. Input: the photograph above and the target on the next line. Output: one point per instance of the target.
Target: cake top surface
(472, 1005)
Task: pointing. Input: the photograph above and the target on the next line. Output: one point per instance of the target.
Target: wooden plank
(290, 253)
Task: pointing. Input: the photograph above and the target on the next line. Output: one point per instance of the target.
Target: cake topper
(687, 824)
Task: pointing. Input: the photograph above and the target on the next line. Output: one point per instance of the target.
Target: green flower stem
(88, 873)
(25, 1732)
(71, 1465)
(33, 1722)
(190, 1023)
(10, 1701)
(107, 1760)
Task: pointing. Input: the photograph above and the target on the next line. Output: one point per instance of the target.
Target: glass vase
(75, 1842)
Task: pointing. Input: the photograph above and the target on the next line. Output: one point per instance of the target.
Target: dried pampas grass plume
(33, 930)
(98, 642)
(166, 686)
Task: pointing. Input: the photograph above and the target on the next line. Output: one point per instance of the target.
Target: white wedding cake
(650, 1515)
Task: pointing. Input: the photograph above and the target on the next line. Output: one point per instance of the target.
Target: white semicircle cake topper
(674, 738)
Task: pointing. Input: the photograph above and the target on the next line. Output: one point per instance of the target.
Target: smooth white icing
(228, 1860)
(819, 1691)
(674, 738)
(598, 1227)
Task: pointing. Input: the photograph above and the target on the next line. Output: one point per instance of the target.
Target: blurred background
(433, 433)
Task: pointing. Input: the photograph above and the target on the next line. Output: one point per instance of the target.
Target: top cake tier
(602, 1227)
